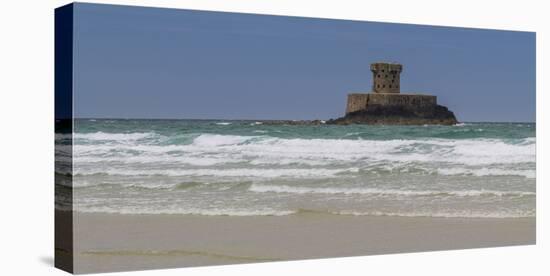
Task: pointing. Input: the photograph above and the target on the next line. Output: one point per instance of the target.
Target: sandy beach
(111, 242)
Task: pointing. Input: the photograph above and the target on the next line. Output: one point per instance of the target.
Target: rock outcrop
(398, 115)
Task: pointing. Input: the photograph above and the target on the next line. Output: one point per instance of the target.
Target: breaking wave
(474, 157)
(219, 168)
(103, 136)
(448, 214)
(260, 173)
(274, 212)
(389, 192)
(189, 211)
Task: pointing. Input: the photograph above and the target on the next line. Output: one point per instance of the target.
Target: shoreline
(117, 242)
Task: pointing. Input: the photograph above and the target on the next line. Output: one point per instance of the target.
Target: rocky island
(386, 105)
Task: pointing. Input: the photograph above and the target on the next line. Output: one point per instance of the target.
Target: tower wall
(358, 102)
(386, 77)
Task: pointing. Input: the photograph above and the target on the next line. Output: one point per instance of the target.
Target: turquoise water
(242, 168)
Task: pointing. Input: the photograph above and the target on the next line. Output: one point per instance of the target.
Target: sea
(250, 168)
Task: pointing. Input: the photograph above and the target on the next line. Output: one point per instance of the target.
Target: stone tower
(385, 77)
(385, 105)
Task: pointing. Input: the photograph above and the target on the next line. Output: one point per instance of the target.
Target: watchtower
(385, 77)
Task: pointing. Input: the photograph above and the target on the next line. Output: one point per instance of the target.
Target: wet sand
(109, 242)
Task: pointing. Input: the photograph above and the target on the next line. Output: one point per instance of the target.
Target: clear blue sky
(133, 62)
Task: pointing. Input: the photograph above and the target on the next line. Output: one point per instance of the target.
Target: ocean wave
(487, 172)
(367, 167)
(257, 173)
(265, 149)
(216, 140)
(187, 211)
(471, 152)
(187, 185)
(151, 184)
(161, 159)
(382, 192)
(207, 153)
(235, 212)
(247, 172)
(85, 182)
(104, 136)
(443, 214)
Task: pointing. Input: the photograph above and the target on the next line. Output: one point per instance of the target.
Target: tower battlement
(386, 77)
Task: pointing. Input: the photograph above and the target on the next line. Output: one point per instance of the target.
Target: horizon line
(220, 119)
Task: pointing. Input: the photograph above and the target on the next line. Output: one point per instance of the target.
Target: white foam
(103, 136)
(383, 192)
(160, 160)
(79, 182)
(486, 172)
(274, 212)
(187, 211)
(475, 157)
(443, 214)
(470, 152)
(256, 173)
(223, 123)
(215, 140)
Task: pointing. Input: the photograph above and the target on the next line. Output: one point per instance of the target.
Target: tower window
(378, 75)
(378, 86)
(382, 70)
(390, 85)
(384, 86)
(386, 76)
